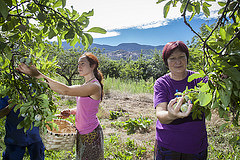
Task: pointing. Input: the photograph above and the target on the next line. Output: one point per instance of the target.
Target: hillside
(123, 50)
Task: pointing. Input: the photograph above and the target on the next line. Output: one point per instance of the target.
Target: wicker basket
(61, 139)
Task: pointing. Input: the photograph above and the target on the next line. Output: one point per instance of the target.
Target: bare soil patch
(134, 106)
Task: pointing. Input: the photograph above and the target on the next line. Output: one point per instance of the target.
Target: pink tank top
(86, 119)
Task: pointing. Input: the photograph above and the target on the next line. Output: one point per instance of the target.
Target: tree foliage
(129, 69)
(68, 62)
(25, 25)
(221, 56)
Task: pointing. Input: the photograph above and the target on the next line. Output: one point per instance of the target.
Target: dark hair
(170, 47)
(92, 59)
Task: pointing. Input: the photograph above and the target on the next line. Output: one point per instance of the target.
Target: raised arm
(76, 90)
(5, 111)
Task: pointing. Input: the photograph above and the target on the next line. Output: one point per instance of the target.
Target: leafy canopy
(25, 26)
(221, 56)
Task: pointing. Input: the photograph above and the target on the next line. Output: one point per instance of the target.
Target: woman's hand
(65, 113)
(175, 112)
(29, 70)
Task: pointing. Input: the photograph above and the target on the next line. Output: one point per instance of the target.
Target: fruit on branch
(184, 106)
(22, 28)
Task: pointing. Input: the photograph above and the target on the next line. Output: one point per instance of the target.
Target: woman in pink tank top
(89, 95)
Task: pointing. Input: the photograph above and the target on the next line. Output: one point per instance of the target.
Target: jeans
(14, 152)
(161, 153)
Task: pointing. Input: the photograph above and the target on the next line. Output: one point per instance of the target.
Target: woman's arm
(5, 111)
(166, 113)
(76, 90)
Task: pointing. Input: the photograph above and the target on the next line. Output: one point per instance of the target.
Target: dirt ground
(136, 105)
(133, 106)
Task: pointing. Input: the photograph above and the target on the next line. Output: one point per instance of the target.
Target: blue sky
(138, 21)
(175, 30)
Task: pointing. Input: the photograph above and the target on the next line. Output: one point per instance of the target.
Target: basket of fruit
(61, 137)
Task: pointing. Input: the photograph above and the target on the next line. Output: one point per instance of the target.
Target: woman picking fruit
(89, 95)
(178, 135)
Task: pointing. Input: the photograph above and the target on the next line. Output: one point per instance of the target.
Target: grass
(128, 86)
(220, 145)
(117, 149)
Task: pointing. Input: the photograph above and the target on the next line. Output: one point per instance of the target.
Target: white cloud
(122, 14)
(108, 34)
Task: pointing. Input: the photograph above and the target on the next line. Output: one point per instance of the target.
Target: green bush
(132, 125)
(115, 114)
(116, 149)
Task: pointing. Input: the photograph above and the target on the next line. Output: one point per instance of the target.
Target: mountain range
(123, 50)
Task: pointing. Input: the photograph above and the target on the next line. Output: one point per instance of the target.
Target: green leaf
(63, 3)
(193, 14)
(166, 9)
(208, 28)
(204, 88)
(16, 107)
(75, 15)
(60, 25)
(159, 1)
(89, 38)
(228, 84)
(222, 3)
(206, 9)
(85, 41)
(2, 45)
(74, 40)
(70, 34)
(42, 17)
(3, 9)
(20, 125)
(215, 105)
(97, 30)
(45, 29)
(195, 76)
(189, 8)
(222, 32)
(182, 7)
(15, 37)
(37, 123)
(57, 4)
(59, 41)
(51, 34)
(197, 7)
(234, 73)
(9, 2)
(225, 97)
(207, 4)
(23, 109)
(222, 127)
(87, 14)
(204, 98)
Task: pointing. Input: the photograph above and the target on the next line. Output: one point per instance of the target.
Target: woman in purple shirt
(178, 136)
(89, 95)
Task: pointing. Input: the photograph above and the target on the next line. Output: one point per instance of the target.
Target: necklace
(89, 80)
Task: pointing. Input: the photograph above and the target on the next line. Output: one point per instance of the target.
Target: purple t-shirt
(182, 135)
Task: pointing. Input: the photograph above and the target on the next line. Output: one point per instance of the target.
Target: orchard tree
(68, 62)
(221, 58)
(24, 27)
